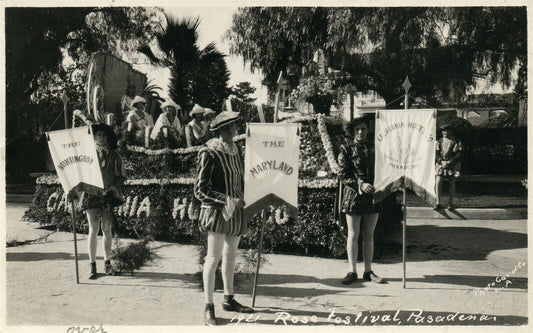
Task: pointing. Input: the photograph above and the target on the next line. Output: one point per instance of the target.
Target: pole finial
(406, 84)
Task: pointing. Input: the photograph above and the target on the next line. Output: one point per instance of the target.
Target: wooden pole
(259, 250)
(276, 109)
(74, 217)
(65, 100)
(406, 85)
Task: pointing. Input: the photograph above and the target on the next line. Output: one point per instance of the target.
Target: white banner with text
(271, 167)
(75, 159)
(405, 152)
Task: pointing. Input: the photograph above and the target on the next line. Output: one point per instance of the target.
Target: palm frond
(147, 51)
(210, 54)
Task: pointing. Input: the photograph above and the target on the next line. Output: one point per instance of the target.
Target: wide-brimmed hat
(208, 111)
(109, 133)
(224, 118)
(138, 99)
(170, 103)
(357, 119)
(197, 109)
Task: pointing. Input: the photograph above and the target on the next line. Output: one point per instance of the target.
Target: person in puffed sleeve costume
(356, 177)
(99, 208)
(220, 188)
(448, 164)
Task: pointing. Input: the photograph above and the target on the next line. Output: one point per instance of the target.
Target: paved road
(449, 264)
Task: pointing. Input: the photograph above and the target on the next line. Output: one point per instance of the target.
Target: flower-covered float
(159, 194)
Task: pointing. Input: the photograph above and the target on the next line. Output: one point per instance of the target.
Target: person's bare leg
(452, 192)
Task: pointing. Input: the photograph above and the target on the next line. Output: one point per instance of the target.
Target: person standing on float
(194, 132)
(220, 188)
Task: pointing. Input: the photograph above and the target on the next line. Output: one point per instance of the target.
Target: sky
(214, 22)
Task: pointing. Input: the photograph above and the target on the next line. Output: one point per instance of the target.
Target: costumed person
(220, 188)
(168, 125)
(209, 115)
(194, 132)
(448, 164)
(138, 119)
(99, 208)
(354, 205)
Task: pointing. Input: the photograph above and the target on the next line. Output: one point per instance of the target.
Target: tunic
(448, 150)
(113, 174)
(357, 167)
(220, 175)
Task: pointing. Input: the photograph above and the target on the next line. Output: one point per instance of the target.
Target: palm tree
(197, 75)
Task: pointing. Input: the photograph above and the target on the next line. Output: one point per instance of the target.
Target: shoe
(109, 268)
(350, 278)
(450, 206)
(371, 276)
(437, 207)
(231, 304)
(92, 274)
(209, 315)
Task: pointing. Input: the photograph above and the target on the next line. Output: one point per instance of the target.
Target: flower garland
(317, 183)
(326, 142)
(47, 180)
(178, 151)
(49, 206)
(304, 183)
(147, 151)
(54, 180)
(162, 181)
(300, 119)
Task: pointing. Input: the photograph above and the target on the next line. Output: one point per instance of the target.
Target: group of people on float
(219, 186)
(172, 122)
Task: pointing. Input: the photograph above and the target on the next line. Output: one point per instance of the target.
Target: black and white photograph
(261, 166)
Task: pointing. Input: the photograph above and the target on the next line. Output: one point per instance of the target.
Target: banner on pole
(271, 167)
(74, 155)
(405, 152)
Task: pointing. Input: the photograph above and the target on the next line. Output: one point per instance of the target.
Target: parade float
(159, 193)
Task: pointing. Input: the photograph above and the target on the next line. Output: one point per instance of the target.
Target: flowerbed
(159, 195)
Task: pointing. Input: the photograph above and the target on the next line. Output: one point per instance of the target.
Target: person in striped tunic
(220, 188)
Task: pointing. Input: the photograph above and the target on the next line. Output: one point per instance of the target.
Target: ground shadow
(475, 281)
(271, 284)
(157, 276)
(454, 211)
(38, 256)
(432, 242)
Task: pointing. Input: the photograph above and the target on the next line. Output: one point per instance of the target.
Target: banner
(271, 167)
(74, 154)
(405, 151)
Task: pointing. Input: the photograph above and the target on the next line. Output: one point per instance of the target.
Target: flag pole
(74, 217)
(406, 85)
(259, 250)
(65, 100)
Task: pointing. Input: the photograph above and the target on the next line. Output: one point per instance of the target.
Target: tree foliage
(197, 75)
(442, 50)
(47, 50)
(242, 91)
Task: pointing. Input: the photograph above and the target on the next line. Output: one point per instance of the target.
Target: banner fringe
(410, 184)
